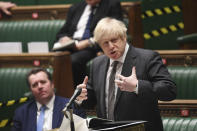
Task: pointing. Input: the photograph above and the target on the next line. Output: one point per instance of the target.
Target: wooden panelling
(179, 108)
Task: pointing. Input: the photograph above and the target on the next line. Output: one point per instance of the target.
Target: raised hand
(83, 95)
(127, 83)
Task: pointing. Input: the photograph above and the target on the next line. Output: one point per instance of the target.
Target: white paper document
(10, 47)
(70, 45)
(38, 47)
(79, 123)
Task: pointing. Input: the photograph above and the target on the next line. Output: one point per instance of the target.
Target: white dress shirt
(48, 115)
(82, 23)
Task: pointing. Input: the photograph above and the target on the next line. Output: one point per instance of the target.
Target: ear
(52, 85)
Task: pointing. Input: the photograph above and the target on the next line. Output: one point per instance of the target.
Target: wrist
(91, 42)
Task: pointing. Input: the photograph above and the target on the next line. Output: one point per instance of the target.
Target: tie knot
(43, 107)
(114, 64)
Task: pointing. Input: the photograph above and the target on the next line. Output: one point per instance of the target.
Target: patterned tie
(86, 33)
(111, 93)
(40, 121)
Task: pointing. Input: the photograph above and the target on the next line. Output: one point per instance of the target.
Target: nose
(39, 85)
(111, 45)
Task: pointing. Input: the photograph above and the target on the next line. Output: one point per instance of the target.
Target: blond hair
(109, 27)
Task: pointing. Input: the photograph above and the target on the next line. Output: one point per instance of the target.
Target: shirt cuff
(136, 89)
(78, 102)
(91, 42)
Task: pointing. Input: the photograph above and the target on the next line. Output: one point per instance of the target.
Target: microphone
(74, 96)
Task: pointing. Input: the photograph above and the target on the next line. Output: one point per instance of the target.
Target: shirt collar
(122, 58)
(49, 105)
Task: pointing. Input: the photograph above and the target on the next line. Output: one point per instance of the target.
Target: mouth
(42, 93)
(112, 53)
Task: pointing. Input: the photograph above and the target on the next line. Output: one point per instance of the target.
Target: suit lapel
(103, 73)
(56, 113)
(129, 62)
(33, 117)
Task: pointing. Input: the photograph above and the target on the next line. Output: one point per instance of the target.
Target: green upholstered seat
(186, 80)
(13, 83)
(30, 30)
(180, 123)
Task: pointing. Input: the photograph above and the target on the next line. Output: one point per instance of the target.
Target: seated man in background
(44, 112)
(141, 79)
(81, 20)
(5, 6)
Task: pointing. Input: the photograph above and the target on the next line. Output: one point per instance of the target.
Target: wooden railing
(179, 57)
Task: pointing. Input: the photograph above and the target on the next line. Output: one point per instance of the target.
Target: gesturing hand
(5, 6)
(83, 95)
(127, 83)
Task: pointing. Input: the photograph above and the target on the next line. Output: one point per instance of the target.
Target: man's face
(113, 47)
(42, 88)
(92, 2)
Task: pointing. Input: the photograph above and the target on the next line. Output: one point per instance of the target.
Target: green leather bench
(30, 30)
(180, 123)
(186, 80)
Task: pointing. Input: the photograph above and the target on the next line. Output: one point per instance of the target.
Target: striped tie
(111, 93)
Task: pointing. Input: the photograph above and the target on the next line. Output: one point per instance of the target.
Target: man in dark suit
(75, 28)
(27, 116)
(141, 79)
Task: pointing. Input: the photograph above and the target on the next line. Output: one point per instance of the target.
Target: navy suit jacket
(154, 83)
(110, 8)
(25, 116)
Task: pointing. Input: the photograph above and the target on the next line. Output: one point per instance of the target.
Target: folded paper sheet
(80, 124)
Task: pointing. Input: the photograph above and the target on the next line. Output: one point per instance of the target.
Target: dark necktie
(111, 93)
(40, 121)
(86, 34)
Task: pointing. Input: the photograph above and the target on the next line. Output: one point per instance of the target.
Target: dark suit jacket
(110, 8)
(154, 83)
(25, 116)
